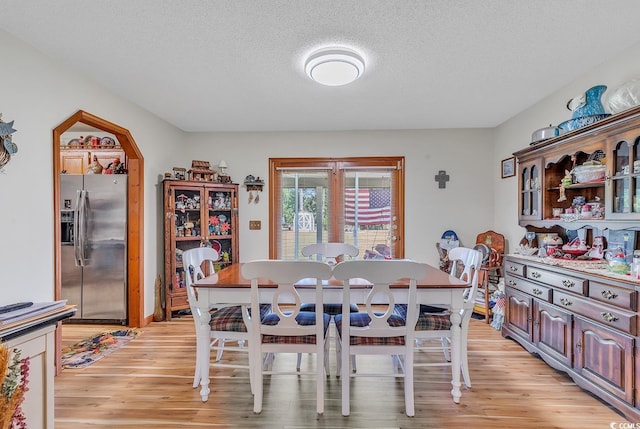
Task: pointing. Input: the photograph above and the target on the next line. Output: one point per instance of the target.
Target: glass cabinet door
(221, 224)
(624, 185)
(530, 195)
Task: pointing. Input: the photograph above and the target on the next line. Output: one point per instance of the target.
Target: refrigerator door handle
(76, 229)
(82, 232)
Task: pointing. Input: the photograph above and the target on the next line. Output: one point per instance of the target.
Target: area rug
(92, 349)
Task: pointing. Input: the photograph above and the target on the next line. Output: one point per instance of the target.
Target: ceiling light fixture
(334, 66)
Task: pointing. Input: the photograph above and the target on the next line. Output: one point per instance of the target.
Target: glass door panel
(305, 197)
(368, 221)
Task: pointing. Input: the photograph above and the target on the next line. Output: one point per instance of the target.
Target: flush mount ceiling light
(334, 66)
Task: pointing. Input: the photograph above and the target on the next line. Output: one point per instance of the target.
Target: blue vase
(589, 103)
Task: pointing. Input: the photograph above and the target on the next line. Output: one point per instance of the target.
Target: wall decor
(8, 147)
(442, 178)
(508, 167)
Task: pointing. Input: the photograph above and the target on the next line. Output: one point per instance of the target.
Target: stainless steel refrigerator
(94, 246)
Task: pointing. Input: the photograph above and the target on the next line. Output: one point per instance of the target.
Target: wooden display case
(196, 214)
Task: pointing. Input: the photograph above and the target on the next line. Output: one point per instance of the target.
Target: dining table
(228, 286)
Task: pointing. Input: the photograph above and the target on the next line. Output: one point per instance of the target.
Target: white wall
(515, 134)
(38, 94)
(465, 205)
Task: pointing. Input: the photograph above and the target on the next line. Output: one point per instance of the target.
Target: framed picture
(508, 167)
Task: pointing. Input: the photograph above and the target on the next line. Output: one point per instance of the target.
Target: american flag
(374, 206)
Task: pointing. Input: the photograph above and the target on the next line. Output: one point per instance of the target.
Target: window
(352, 200)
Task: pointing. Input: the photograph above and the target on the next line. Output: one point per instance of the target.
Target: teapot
(587, 104)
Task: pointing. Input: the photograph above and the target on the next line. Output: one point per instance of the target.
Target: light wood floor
(147, 384)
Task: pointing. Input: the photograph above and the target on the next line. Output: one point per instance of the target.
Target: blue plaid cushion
(230, 318)
(304, 318)
(363, 319)
(331, 309)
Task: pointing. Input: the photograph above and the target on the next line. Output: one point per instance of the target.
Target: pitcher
(589, 103)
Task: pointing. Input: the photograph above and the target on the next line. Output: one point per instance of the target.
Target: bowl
(574, 124)
(589, 173)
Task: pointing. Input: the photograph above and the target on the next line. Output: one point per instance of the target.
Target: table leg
(456, 346)
(203, 351)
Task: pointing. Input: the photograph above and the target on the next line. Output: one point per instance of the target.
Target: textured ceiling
(237, 65)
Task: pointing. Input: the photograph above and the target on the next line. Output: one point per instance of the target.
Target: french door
(359, 201)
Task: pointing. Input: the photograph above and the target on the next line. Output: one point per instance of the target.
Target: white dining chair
(215, 328)
(437, 326)
(330, 253)
(373, 332)
(287, 329)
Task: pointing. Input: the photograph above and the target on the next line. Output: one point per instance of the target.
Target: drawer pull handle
(536, 275)
(609, 317)
(608, 294)
(514, 269)
(512, 283)
(537, 291)
(566, 302)
(568, 283)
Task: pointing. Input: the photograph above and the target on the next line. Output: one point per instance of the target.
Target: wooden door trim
(135, 211)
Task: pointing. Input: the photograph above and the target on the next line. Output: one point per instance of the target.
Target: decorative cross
(442, 178)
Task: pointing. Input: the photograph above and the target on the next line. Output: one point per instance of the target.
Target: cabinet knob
(537, 291)
(568, 283)
(513, 269)
(536, 275)
(566, 302)
(607, 294)
(609, 317)
(512, 283)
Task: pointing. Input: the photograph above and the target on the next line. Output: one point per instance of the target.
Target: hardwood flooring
(147, 384)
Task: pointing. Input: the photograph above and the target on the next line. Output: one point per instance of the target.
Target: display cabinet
(544, 167)
(196, 214)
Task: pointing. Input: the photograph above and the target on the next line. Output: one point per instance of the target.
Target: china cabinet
(614, 141)
(575, 314)
(197, 214)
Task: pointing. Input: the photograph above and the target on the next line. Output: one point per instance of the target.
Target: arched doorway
(135, 210)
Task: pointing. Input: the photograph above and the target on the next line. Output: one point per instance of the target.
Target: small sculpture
(566, 181)
(95, 167)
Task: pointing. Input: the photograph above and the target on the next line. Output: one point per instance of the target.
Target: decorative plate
(74, 143)
(107, 142)
(222, 218)
(215, 245)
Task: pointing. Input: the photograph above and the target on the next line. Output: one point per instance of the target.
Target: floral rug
(92, 349)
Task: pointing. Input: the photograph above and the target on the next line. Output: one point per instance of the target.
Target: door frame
(135, 211)
(336, 164)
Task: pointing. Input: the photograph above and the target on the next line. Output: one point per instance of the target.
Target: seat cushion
(230, 318)
(304, 318)
(363, 319)
(401, 310)
(433, 322)
(331, 309)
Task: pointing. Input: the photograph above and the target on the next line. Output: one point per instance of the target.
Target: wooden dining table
(228, 286)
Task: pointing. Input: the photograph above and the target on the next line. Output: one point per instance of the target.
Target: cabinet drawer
(514, 268)
(540, 292)
(558, 280)
(619, 319)
(620, 297)
(179, 301)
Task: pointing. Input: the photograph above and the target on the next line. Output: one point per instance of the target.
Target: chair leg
(408, 384)
(299, 361)
(345, 382)
(220, 350)
(446, 348)
(464, 361)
